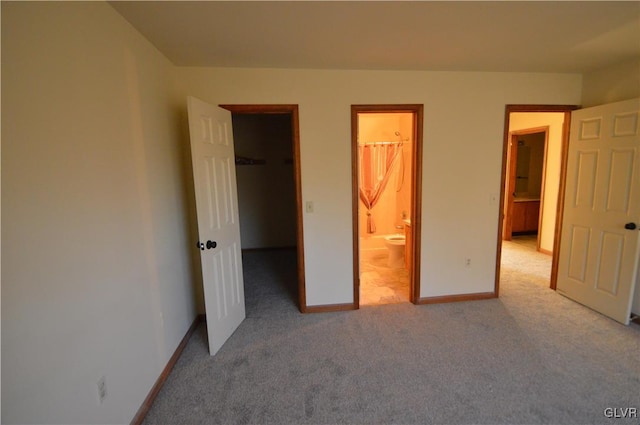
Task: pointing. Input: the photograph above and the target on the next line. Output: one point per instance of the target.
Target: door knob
(630, 226)
(211, 244)
(200, 245)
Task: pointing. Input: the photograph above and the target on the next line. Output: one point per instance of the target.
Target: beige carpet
(529, 357)
(519, 256)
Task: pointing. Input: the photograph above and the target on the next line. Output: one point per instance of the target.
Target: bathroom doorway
(386, 170)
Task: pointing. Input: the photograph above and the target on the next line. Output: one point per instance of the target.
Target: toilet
(395, 245)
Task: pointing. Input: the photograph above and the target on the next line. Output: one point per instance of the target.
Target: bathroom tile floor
(380, 284)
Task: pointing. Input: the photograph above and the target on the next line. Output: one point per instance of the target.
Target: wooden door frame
(416, 192)
(291, 110)
(566, 109)
(512, 155)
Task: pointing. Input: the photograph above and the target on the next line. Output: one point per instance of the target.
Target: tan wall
(614, 83)
(96, 266)
(463, 133)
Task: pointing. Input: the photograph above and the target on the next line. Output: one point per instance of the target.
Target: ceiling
(510, 36)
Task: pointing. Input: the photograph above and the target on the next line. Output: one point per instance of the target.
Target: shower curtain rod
(379, 143)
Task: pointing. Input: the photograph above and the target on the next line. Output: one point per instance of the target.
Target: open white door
(214, 176)
(599, 246)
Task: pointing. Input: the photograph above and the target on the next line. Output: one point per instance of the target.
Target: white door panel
(598, 259)
(218, 224)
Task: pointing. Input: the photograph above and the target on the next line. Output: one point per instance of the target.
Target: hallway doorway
(535, 209)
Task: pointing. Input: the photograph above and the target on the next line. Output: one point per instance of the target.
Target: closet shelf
(242, 160)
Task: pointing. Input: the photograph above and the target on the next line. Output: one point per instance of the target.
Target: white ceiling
(538, 36)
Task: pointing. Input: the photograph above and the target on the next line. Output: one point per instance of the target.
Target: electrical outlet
(467, 262)
(102, 389)
(309, 206)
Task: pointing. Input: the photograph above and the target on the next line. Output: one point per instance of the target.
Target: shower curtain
(376, 162)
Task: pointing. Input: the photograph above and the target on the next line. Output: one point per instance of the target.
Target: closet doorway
(386, 183)
(290, 163)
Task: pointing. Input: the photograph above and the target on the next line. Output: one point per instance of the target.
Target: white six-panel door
(218, 223)
(598, 258)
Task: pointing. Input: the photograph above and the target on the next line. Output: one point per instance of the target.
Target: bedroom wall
(97, 275)
(463, 133)
(611, 84)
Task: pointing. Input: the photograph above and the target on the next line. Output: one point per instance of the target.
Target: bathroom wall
(533, 148)
(403, 196)
(396, 198)
(266, 192)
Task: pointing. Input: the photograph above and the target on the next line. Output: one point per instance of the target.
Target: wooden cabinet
(408, 244)
(525, 215)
